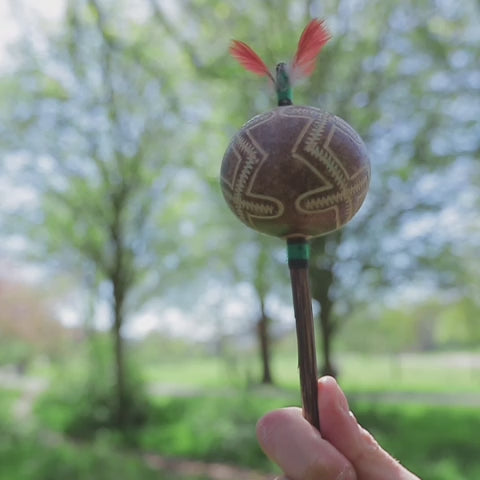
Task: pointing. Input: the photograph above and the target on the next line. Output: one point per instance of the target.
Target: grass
(423, 373)
(197, 372)
(27, 453)
(214, 420)
(7, 400)
(35, 456)
(437, 443)
(220, 429)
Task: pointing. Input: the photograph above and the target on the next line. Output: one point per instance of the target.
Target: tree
(144, 109)
(393, 82)
(97, 125)
(384, 78)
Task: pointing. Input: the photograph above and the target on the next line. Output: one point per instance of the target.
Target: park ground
(424, 408)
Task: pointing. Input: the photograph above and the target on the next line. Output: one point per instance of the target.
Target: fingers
(298, 448)
(344, 451)
(340, 428)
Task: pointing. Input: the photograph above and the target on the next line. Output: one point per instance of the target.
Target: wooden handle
(302, 305)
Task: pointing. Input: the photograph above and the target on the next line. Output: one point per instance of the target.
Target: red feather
(313, 38)
(249, 59)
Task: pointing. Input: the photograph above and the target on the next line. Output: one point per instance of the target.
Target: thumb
(340, 428)
(298, 448)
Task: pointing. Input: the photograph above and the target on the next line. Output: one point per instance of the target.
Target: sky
(9, 30)
(49, 11)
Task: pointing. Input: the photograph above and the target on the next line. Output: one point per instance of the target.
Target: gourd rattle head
(295, 172)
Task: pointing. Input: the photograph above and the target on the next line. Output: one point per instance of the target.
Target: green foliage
(83, 402)
(145, 107)
(212, 422)
(16, 352)
(435, 443)
(219, 425)
(212, 428)
(431, 324)
(7, 400)
(460, 324)
(37, 456)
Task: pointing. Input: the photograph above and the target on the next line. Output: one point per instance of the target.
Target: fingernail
(339, 398)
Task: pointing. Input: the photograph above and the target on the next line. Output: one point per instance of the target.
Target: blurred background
(143, 329)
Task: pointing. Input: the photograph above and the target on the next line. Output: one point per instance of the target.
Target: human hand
(343, 451)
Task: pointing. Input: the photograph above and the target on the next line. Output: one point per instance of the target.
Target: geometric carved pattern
(295, 171)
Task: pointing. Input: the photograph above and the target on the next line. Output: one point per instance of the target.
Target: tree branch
(184, 44)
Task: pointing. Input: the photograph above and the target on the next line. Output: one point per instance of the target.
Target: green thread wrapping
(282, 85)
(284, 97)
(298, 251)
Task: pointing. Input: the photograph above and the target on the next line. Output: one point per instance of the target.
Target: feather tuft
(314, 37)
(249, 59)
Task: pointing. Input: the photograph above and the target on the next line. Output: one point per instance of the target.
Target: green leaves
(134, 109)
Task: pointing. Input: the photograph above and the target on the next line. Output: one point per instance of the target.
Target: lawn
(420, 373)
(438, 443)
(203, 411)
(35, 456)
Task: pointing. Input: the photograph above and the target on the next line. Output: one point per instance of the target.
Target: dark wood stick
(298, 253)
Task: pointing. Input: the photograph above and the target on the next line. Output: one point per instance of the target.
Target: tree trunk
(264, 341)
(120, 383)
(326, 328)
(119, 279)
(322, 278)
(263, 323)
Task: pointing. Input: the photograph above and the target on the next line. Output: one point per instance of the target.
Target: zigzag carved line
(246, 209)
(320, 203)
(262, 209)
(240, 183)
